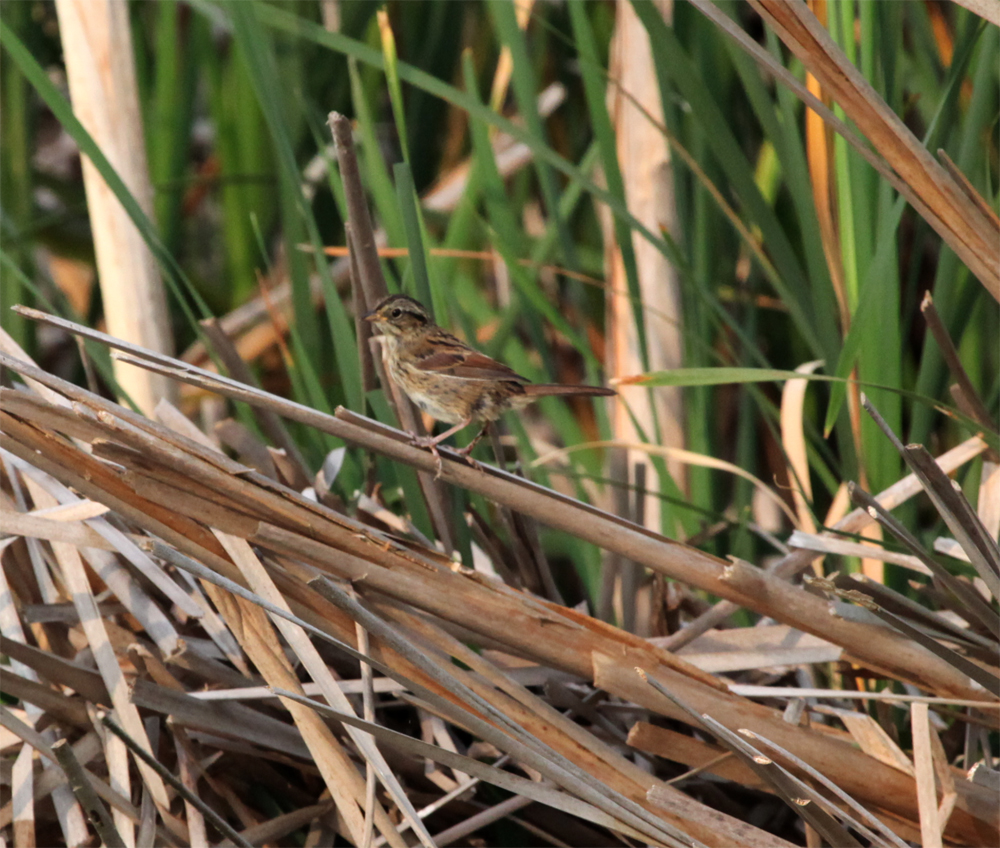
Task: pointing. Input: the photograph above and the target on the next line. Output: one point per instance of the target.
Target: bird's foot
(432, 443)
(466, 454)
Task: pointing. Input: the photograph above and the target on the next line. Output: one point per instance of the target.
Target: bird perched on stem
(449, 380)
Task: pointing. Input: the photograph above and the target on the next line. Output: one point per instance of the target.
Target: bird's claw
(429, 442)
(466, 454)
(475, 463)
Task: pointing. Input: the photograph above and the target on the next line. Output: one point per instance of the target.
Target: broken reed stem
(362, 233)
(362, 328)
(950, 354)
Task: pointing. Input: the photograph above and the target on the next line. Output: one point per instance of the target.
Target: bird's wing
(450, 356)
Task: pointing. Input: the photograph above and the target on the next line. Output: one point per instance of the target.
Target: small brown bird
(449, 380)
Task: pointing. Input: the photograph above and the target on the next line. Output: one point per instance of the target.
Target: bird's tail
(537, 390)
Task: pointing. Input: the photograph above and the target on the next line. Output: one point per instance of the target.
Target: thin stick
(96, 812)
(362, 327)
(374, 289)
(362, 234)
(217, 821)
(712, 763)
(368, 704)
(950, 354)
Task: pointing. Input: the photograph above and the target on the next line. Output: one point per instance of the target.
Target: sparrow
(449, 380)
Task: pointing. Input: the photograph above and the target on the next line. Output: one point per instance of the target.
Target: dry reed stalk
(372, 289)
(636, 110)
(609, 629)
(97, 45)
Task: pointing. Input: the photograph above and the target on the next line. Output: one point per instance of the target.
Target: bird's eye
(397, 312)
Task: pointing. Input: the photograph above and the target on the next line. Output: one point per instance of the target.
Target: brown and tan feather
(445, 377)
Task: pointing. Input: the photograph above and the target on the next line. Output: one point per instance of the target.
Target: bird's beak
(371, 316)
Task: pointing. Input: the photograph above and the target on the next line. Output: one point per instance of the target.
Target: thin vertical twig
(363, 234)
(632, 572)
(612, 565)
(362, 327)
(361, 244)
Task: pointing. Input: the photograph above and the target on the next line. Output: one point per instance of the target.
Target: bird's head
(398, 314)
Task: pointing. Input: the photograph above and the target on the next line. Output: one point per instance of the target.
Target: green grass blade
(16, 179)
(594, 88)
(392, 82)
(674, 65)
(260, 61)
(508, 240)
(526, 93)
(414, 241)
(378, 181)
(169, 116)
(288, 22)
(725, 376)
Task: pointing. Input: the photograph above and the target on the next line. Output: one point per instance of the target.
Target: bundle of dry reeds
(165, 599)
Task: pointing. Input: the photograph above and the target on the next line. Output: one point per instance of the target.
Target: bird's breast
(442, 397)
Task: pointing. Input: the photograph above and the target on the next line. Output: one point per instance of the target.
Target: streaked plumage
(445, 377)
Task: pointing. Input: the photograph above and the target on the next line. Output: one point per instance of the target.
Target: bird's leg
(469, 447)
(467, 450)
(433, 442)
(438, 462)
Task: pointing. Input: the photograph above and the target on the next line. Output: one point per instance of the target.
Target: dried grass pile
(159, 587)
